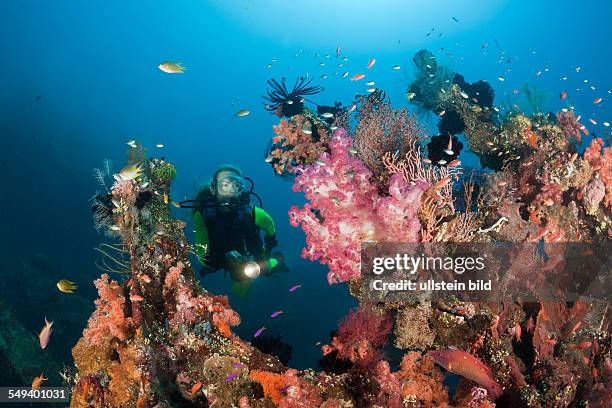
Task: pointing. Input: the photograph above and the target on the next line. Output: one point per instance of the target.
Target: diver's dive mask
(229, 187)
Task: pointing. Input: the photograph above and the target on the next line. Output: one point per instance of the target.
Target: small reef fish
(170, 67)
(464, 95)
(357, 77)
(307, 131)
(276, 314)
(563, 95)
(327, 115)
(45, 334)
(196, 387)
(371, 90)
(129, 172)
(159, 146)
(242, 112)
(371, 63)
(468, 366)
(396, 67)
(230, 377)
(294, 288)
(410, 95)
(145, 278)
(131, 143)
(455, 19)
(593, 121)
(37, 382)
(65, 286)
(501, 79)
(597, 100)
(371, 83)
(337, 51)
(136, 298)
(259, 331)
(344, 75)
(606, 124)
(454, 163)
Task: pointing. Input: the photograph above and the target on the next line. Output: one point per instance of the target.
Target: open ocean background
(78, 79)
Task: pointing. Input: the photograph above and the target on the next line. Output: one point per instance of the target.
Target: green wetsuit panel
(264, 221)
(201, 238)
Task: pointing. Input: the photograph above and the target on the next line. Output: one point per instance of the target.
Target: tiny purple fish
(276, 314)
(238, 365)
(259, 331)
(284, 389)
(294, 288)
(230, 377)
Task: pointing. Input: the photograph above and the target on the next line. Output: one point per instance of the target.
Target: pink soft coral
(299, 393)
(108, 320)
(190, 306)
(346, 209)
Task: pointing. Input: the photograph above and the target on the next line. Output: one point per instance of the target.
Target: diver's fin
(279, 264)
(242, 288)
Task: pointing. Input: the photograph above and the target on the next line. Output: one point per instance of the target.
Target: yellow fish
(129, 173)
(36, 383)
(66, 286)
(170, 67)
(242, 112)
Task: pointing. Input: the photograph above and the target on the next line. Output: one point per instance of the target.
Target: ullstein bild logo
(486, 271)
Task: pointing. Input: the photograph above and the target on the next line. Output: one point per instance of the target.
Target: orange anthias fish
(371, 63)
(196, 387)
(45, 334)
(357, 77)
(37, 382)
(466, 365)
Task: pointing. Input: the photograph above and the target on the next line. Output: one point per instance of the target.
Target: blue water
(93, 68)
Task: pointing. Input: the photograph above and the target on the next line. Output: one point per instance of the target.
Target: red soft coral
(361, 335)
(108, 320)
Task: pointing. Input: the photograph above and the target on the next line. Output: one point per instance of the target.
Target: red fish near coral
(45, 334)
(468, 366)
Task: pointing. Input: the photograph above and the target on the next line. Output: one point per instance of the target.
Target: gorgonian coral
(383, 129)
(345, 209)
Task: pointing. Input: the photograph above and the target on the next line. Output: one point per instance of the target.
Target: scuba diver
(228, 230)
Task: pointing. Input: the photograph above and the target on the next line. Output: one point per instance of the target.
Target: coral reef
(157, 339)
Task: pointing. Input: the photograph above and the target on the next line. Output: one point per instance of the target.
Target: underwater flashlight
(251, 270)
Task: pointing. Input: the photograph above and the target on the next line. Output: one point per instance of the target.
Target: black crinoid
(285, 103)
